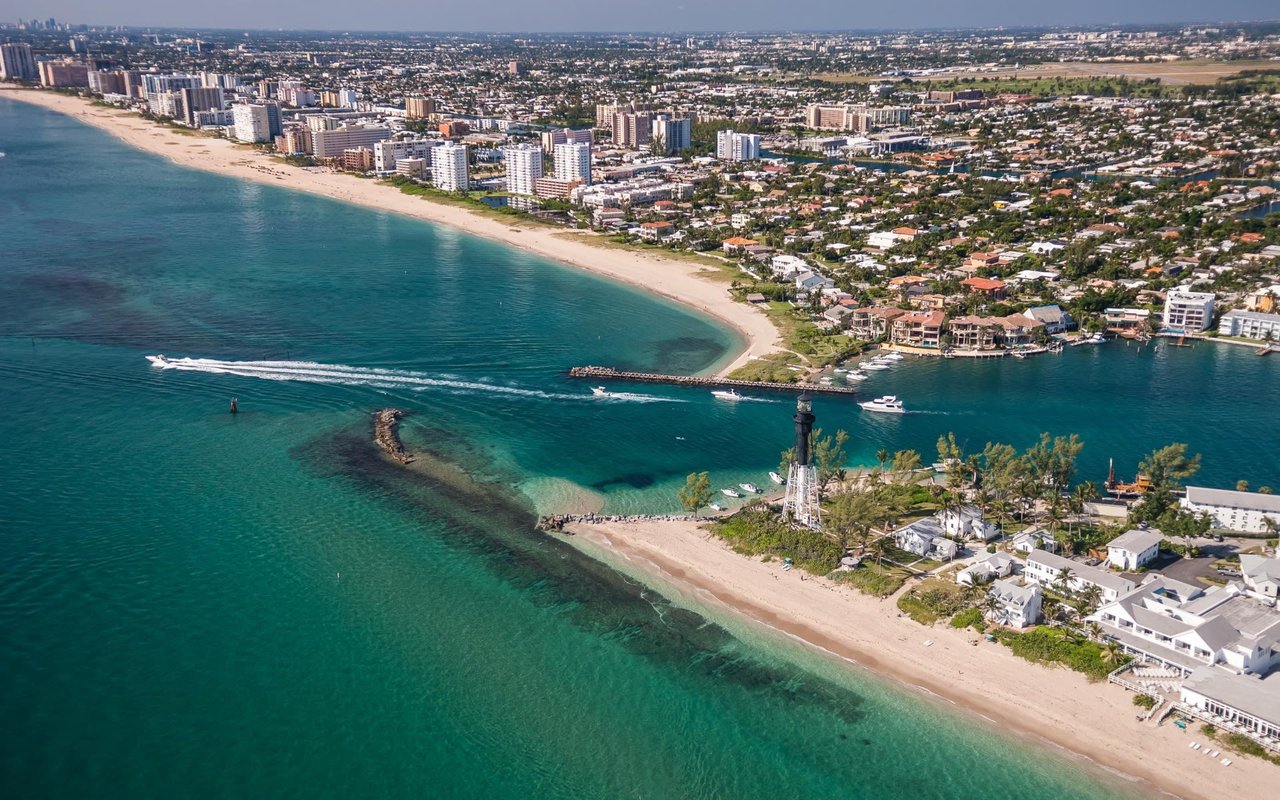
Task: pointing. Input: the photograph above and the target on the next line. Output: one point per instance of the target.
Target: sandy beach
(1056, 706)
(671, 278)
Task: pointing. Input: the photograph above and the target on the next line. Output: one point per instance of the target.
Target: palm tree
(1063, 576)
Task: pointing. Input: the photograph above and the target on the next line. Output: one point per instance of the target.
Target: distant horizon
(658, 17)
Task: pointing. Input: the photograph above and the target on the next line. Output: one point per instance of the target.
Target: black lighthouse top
(804, 423)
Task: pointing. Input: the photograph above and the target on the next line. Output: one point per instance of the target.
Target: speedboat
(731, 493)
(715, 507)
(160, 361)
(750, 487)
(725, 394)
(599, 391)
(886, 405)
(776, 478)
(873, 365)
(855, 376)
(890, 357)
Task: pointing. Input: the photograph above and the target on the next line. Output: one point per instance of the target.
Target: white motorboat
(599, 391)
(160, 361)
(715, 507)
(731, 493)
(855, 376)
(885, 405)
(725, 394)
(890, 357)
(750, 488)
(873, 365)
(776, 478)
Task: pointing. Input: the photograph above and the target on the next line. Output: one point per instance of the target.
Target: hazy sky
(637, 15)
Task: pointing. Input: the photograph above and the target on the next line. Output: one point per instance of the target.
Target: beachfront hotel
(1250, 325)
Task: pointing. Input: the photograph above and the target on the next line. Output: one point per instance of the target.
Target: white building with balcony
(524, 167)
(1186, 311)
(449, 167)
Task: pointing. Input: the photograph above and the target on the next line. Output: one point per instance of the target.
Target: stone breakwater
(385, 433)
(556, 522)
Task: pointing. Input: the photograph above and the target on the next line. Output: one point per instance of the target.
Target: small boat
(599, 391)
(890, 357)
(725, 394)
(731, 493)
(1019, 355)
(776, 478)
(715, 507)
(160, 361)
(873, 365)
(855, 376)
(885, 405)
(751, 488)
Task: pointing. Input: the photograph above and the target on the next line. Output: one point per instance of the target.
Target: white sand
(671, 278)
(1053, 705)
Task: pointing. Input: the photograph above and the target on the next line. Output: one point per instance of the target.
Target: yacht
(856, 375)
(725, 394)
(886, 405)
(160, 361)
(873, 365)
(750, 488)
(731, 493)
(776, 478)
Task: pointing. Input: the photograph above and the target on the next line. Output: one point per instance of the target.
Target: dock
(611, 374)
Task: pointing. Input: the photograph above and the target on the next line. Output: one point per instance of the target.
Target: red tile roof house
(991, 287)
(872, 322)
(918, 329)
(653, 231)
(737, 244)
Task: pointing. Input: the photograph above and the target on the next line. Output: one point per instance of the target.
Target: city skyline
(676, 16)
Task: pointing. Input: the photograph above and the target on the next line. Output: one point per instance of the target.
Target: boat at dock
(776, 478)
(725, 394)
(888, 404)
(731, 493)
(873, 365)
(750, 488)
(855, 375)
(890, 357)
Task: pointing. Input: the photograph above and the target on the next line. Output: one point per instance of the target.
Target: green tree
(1242, 486)
(1166, 469)
(696, 492)
(829, 456)
(851, 517)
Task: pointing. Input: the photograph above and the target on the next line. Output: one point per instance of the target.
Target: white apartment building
(1235, 511)
(449, 167)
(1186, 627)
(1135, 548)
(733, 146)
(387, 154)
(251, 123)
(1047, 569)
(1186, 311)
(553, 139)
(332, 143)
(573, 162)
(1250, 325)
(524, 167)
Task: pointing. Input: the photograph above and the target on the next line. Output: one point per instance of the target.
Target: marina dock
(611, 374)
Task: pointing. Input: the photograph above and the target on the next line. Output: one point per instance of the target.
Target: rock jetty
(385, 433)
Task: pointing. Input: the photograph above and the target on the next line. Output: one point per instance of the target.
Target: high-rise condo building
(106, 82)
(733, 146)
(573, 162)
(449, 167)
(252, 123)
(524, 167)
(199, 99)
(565, 135)
(332, 143)
(17, 63)
(388, 154)
(632, 130)
(674, 134)
(419, 107)
(57, 74)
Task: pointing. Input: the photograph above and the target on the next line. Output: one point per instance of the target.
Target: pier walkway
(611, 374)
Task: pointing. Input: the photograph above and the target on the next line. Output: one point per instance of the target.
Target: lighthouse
(801, 499)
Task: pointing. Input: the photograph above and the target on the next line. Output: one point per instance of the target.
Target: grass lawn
(873, 579)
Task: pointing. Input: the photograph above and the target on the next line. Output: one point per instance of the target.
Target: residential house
(986, 569)
(1134, 549)
(1030, 540)
(656, 231)
(925, 538)
(966, 524)
(1017, 604)
(873, 322)
(1054, 318)
(1260, 576)
(918, 329)
(992, 288)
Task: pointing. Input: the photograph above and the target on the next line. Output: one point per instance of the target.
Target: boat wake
(374, 378)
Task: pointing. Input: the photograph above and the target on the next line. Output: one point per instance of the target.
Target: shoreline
(1052, 706)
(671, 279)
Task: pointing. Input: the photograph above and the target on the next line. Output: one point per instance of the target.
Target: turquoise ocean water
(195, 604)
